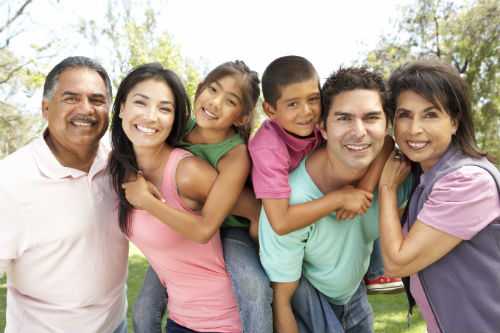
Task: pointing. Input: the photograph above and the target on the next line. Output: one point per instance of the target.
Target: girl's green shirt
(212, 153)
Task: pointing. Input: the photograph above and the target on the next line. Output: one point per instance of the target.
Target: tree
(467, 37)
(17, 74)
(133, 39)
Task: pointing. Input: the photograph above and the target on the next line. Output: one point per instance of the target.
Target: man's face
(298, 108)
(77, 112)
(355, 128)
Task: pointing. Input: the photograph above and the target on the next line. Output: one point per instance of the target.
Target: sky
(328, 33)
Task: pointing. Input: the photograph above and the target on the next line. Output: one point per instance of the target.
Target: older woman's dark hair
(442, 85)
(250, 90)
(122, 161)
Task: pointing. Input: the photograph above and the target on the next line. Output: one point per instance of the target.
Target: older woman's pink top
(200, 295)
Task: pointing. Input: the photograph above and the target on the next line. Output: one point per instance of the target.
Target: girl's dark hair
(122, 160)
(250, 90)
(442, 85)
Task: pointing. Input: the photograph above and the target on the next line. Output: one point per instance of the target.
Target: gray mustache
(84, 118)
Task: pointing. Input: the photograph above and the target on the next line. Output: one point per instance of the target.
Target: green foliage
(467, 37)
(19, 76)
(135, 40)
(16, 129)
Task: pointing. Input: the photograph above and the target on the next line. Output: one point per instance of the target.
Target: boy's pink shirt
(200, 294)
(275, 153)
(461, 204)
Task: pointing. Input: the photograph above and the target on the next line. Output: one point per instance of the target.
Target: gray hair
(75, 62)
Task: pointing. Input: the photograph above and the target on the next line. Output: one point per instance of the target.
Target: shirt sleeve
(270, 173)
(462, 203)
(10, 228)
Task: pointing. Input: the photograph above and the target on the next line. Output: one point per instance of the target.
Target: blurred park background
(191, 37)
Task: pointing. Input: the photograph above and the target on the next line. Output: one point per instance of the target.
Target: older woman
(450, 242)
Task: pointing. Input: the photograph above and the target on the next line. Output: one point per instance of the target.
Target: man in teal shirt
(332, 256)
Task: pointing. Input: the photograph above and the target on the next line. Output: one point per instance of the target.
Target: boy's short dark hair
(284, 71)
(347, 79)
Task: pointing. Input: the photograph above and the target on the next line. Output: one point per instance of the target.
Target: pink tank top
(200, 295)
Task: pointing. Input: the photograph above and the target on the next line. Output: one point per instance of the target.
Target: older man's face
(355, 128)
(77, 112)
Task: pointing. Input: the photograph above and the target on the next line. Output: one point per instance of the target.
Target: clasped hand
(139, 191)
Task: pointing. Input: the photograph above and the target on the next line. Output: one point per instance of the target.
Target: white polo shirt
(60, 245)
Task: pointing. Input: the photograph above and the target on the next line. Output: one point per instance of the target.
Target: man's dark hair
(75, 62)
(283, 72)
(347, 79)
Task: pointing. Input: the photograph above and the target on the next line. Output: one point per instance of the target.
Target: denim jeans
(376, 267)
(250, 284)
(150, 305)
(173, 327)
(122, 328)
(315, 314)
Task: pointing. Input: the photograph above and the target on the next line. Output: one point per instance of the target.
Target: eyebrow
(229, 92)
(73, 94)
(147, 97)
(424, 110)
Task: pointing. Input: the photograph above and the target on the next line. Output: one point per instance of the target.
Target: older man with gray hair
(60, 245)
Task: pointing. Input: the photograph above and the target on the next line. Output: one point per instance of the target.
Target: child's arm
(285, 218)
(249, 206)
(197, 181)
(371, 178)
(284, 319)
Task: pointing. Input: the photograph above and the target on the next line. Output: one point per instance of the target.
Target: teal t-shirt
(333, 256)
(212, 153)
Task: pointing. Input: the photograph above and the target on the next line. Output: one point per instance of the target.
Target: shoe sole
(386, 290)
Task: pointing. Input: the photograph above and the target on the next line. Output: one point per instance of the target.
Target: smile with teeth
(208, 114)
(357, 147)
(417, 145)
(82, 123)
(145, 130)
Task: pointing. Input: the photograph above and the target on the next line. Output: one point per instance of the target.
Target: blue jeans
(376, 267)
(315, 314)
(122, 328)
(250, 284)
(173, 327)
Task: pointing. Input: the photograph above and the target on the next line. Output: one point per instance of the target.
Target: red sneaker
(384, 285)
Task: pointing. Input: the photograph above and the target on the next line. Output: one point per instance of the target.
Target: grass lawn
(390, 310)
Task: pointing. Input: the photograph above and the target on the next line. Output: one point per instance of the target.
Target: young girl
(150, 112)
(224, 104)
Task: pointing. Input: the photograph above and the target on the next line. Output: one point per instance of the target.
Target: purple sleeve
(462, 203)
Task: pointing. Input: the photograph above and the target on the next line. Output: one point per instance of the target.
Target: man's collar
(52, 168)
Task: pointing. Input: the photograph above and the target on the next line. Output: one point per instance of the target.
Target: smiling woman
(449, 241)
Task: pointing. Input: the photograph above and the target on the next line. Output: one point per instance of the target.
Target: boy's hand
(139, 191)
(354, 201)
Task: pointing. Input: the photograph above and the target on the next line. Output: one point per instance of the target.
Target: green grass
(390, 310)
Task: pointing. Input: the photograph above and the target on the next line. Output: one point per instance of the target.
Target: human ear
(269, 110)
(120, 113)
(242, 120)
(322, 129)
(45, 109)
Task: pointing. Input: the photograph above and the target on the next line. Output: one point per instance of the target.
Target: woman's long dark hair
(122, 161)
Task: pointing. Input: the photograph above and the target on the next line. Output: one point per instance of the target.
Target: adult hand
(395, 171)
(139, 191)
